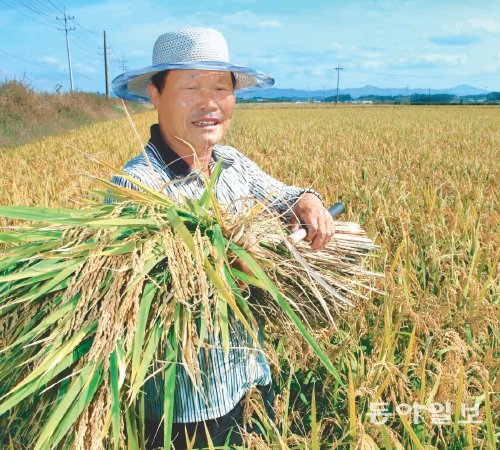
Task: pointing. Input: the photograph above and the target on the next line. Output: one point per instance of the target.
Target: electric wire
(38, 20)
(44, 14)
(47, 67)
(57, 7)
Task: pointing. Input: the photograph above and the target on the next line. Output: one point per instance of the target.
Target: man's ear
(154, 95)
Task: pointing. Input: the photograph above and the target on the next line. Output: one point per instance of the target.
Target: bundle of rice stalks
(92, 299)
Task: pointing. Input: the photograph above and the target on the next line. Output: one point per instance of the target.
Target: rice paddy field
(419, 366)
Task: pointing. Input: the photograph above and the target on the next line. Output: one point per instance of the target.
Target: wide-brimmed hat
(188, 48)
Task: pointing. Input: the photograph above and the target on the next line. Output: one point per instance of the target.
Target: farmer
(192, 87)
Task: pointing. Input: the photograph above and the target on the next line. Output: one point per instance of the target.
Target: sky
(387, 43)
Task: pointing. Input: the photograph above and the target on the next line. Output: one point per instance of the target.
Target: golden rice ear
(105, 298)
(143, 151)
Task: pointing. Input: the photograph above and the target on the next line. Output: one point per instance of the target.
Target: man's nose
(208, 99)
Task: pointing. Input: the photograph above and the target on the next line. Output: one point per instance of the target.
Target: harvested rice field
(417, 367)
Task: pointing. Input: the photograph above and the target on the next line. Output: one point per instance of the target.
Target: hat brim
(134, 85)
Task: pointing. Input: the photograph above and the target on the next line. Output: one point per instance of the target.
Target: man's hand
(310, 212)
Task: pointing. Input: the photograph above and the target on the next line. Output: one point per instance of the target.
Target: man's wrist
(311, 191)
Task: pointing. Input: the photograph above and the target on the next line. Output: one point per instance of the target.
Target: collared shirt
(224, 380)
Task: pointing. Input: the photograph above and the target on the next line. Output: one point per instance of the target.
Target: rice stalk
(95, 300)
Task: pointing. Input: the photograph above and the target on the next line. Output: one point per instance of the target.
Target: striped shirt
(224, 380)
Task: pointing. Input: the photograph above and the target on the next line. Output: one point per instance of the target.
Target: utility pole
(66, 29)
(429, 96)
(338, 69)
(123, 64)
(106, 65)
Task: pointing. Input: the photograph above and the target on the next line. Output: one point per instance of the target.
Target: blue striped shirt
(224, 380)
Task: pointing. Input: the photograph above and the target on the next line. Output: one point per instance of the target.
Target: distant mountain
(298, 94)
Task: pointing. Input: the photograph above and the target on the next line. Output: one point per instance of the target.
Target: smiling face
(194, 105)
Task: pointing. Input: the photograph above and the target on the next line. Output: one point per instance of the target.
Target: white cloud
(437, 40)
(442, 58)
(474, 25)
(49, 60)
(224, 3)
(335, 46)
(318, 72)
(80, 68)
(370, 54)
(138, 53)
(435, 61)
(239, 17)
(341, 51)
(373, 64)
(115, 9)
(487, 25)
(6, 74)
(490, 68)
(249, 20)
(270, 24)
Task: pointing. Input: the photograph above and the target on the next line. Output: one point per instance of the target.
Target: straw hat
(188, 48)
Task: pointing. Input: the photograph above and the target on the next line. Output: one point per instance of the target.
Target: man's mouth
(206, 123)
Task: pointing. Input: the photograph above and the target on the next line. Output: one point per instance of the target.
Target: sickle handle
(335, 210)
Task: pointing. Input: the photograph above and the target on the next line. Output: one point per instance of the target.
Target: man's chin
(205, 142)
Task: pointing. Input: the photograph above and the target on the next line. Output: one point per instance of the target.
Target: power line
(84, 48)
(85, 29)
(81, 74)
(44, 7)
(113, 54)
(35, 7)
(43, 66)
(42, 14)
(24, 60)
(56, 7)
(44, 22)
(75, 70)
(82, 42)
(123, 64)
(84, 36)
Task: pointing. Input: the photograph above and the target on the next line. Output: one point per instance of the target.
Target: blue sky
(387, 43)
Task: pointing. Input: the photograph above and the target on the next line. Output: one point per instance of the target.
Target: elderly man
(192, 87)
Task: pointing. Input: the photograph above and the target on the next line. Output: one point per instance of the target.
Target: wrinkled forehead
(201, 75)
